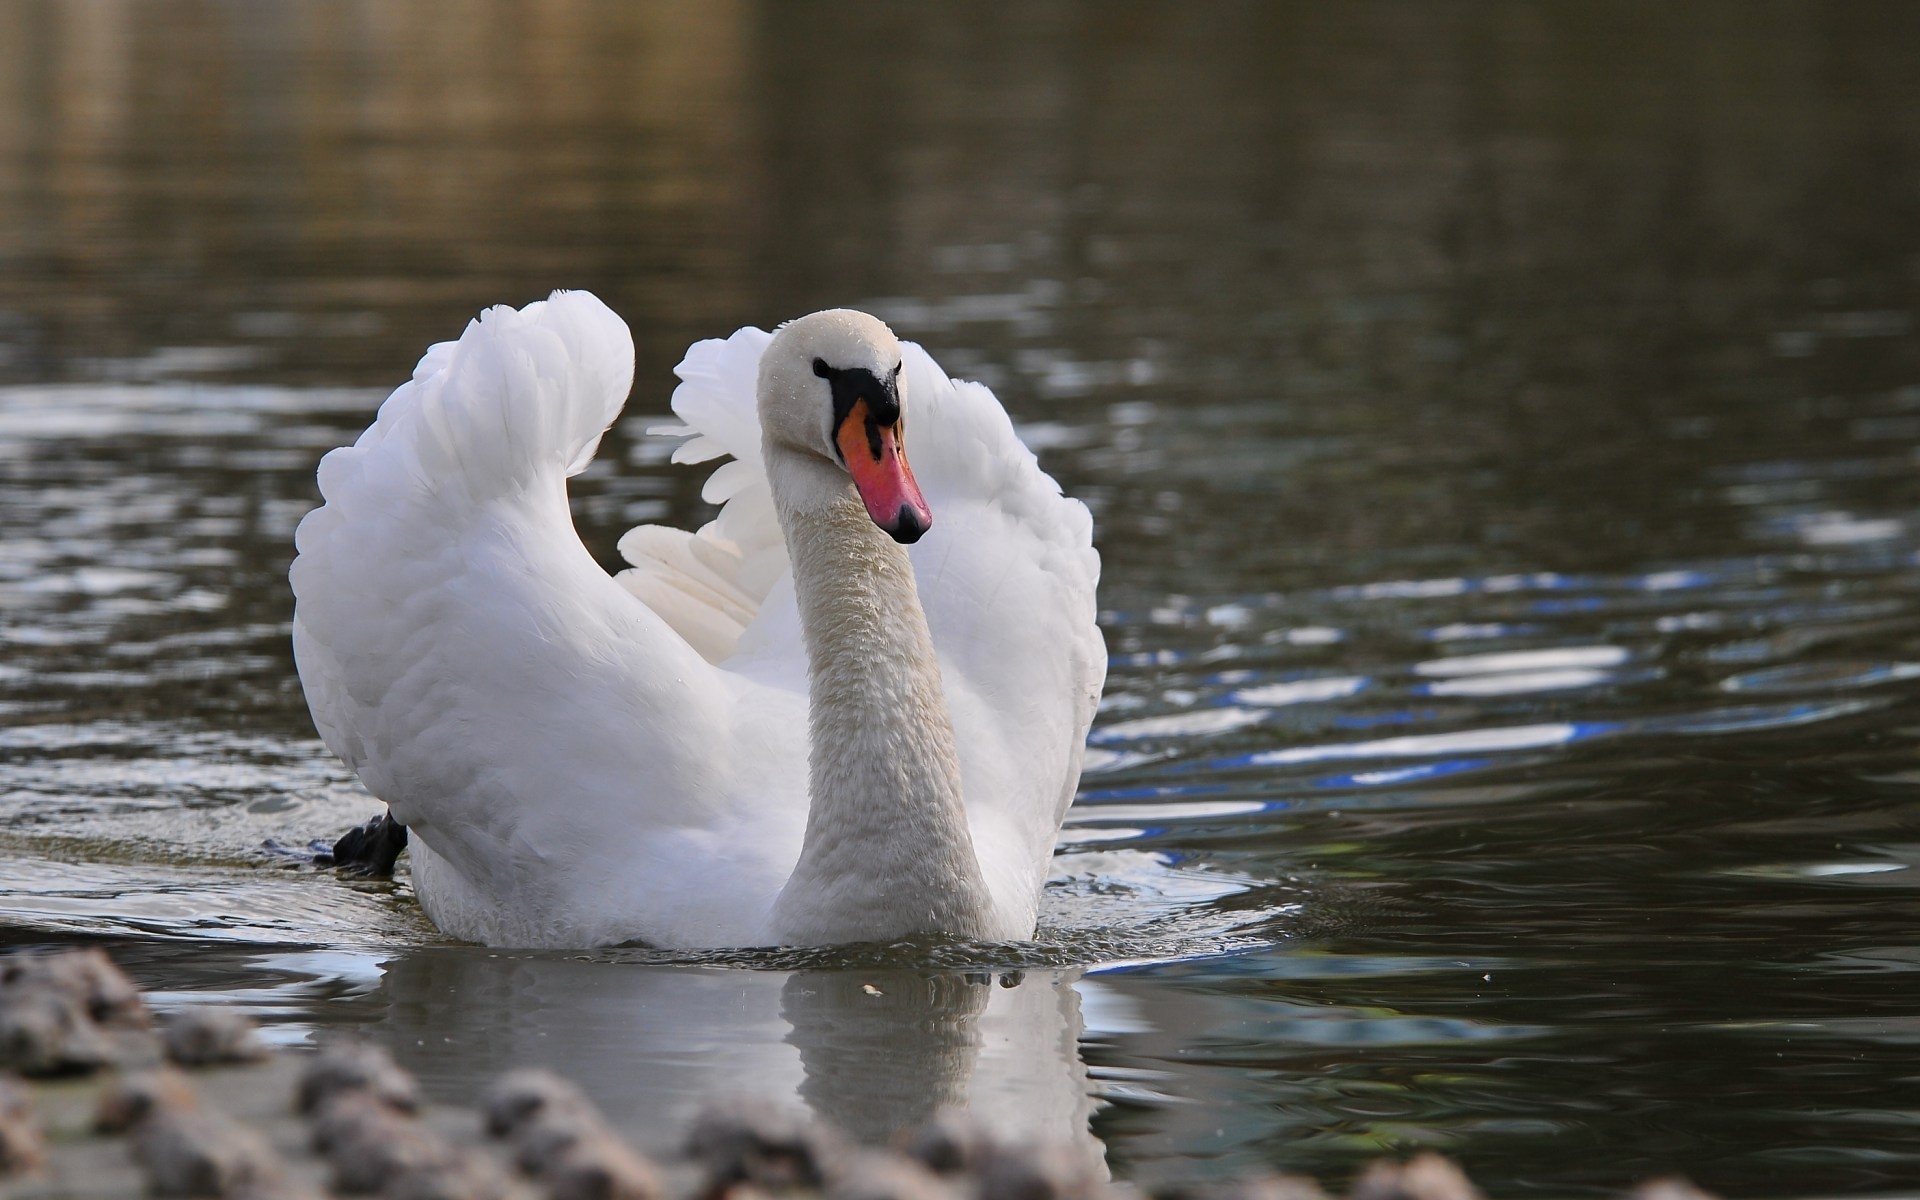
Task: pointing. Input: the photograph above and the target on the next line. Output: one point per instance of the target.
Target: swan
(850, 708)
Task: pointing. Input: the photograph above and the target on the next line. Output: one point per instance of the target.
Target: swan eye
(875, 397)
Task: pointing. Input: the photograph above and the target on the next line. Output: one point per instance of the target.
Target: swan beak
(878, 464)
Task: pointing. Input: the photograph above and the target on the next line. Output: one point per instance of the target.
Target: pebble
(1040, 1171)
(368, 1143)
(1425, 1177)
(955, 1146)
(1671, 1187)
(23, 1144)
(373, 1147)
(196, 1152)
(874, 1176)
(102, 989)
(134, 1097)
(599, 1166)
(519, 1099)
(950, 1143)
(187, 1149)
(560, 1139)
(1254, 1187)
(468, 1177)
(56, 1011)
(345, 1066)
(208, 1036)
(285, 1187)
(768, 1145)
(539, 1145)
(46, 1031)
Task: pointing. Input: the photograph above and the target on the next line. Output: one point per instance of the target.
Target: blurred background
(1500, 421)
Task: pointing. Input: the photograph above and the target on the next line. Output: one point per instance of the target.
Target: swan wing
(1006, 575)
(710, 584)
(573, 770)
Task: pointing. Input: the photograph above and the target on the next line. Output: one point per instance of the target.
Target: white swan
(585, 759)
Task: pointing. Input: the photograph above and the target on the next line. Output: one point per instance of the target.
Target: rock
(765, 1144)
(560, 1139)
(133, 1098)
(23, 1143)
(955, 1145)
(877, 1176)
(1426, 1177)
(56, 1008)
(599, 1166)
(950, 1143)
(542, 1142)
(369, 1161)
(1671, 1187)
(46, 1030)
(356, 1066)
(102, 989)
(208, 1036)
(519, 1099)
(284, 1188)
(470, 1176)
(196, 1152)
(344, 1118)
(369, 1144)
(16, 1100)
(1254, 1187)
(1040, 1171)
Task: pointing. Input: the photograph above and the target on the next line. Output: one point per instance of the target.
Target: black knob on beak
(907, 526)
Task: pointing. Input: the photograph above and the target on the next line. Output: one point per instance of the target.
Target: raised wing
(514, 706)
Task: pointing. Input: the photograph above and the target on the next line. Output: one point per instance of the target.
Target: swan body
(788, 727)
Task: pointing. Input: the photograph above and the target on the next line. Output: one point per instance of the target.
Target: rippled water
(1502, 425)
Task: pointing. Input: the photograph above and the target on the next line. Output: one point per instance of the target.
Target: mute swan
(786, 728)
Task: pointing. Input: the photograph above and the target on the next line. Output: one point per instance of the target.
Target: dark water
(1502, 423)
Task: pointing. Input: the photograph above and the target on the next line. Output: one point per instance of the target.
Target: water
(1501, 423)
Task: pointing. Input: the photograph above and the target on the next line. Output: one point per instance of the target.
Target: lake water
(1502, 424)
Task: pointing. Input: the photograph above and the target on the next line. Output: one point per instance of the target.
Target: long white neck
(887, 851)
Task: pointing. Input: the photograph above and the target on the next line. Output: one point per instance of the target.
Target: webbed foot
(370, 849)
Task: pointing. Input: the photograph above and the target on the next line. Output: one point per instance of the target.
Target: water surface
(1501, 423)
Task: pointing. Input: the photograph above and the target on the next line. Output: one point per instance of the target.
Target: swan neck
(887, 851)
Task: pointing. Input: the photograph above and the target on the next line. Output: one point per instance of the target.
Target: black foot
(371, 849)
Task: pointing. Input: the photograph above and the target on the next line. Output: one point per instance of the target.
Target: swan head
(831, 391)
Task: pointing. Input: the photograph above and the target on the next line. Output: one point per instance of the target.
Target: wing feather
(511, 702)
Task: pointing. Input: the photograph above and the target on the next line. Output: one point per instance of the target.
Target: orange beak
(878, 464)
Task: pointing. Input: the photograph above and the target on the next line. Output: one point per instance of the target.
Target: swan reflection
(875, 1051)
